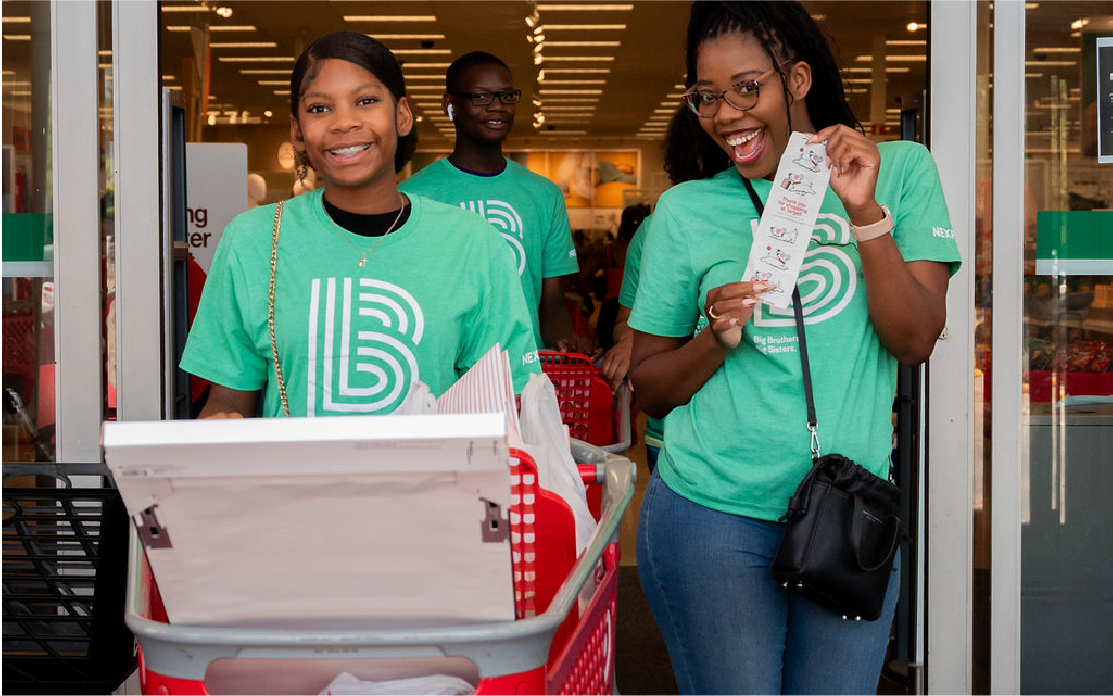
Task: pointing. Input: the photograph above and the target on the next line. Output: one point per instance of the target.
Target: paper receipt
(782, 235)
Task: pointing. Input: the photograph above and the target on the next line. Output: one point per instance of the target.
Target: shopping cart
(591, 410)
(65, 555)
(562, 642)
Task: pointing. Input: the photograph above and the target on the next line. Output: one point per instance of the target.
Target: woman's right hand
(728, 308)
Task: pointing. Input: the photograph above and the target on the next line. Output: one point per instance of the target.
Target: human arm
(229, 403)
(906, 300)
(667, 371)
(616, 361)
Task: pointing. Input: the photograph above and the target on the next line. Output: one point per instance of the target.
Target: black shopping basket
(65, 572)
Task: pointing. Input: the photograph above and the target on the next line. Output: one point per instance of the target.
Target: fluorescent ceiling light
(256, 59)
(407, 65)
(570, 91)
(425, 88)
(578, 71)
(243, 44)
(584, 7)
(184, 8)
(888, 69)
(104, 53)
(169, 77)
(1038, 63)
(265, 72)
(390, 18)
(565, 132)
(17, 20)
(17, 37)
(664, 111)
(857, 80)
(421, 51)
(562, 27)
(17, 83)
(895, 57)
(282, 92)
(214, 27)
(582, 44)
(424, 77)
(572, 82)
(571, 100)
(1033, 74)
(1058, 49)
(581, 107)
(19, 93)
(580, 59)
(273, 83)
(906, 42)
(406, 37)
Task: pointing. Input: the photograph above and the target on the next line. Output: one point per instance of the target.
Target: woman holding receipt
(724, 366)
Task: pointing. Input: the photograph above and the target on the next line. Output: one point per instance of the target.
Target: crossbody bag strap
(798, 314)
(270, 309)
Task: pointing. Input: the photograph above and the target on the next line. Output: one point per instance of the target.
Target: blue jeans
(652, 454)
(729, 627)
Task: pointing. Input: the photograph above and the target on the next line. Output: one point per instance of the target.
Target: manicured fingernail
(733, 321)
(760, 287)
(748, 302)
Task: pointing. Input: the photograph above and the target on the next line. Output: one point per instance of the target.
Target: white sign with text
(216, 192)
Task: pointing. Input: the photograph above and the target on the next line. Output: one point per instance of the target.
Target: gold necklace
(355, 249)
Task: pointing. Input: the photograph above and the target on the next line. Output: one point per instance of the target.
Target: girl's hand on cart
(616, 361)
(728, 307)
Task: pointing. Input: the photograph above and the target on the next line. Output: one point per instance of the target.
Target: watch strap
(872, 231)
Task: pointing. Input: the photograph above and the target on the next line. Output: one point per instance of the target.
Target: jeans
(729, 627)
(652, 453)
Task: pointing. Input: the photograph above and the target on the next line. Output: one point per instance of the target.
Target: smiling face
(754, 139)
(488, 124)
(348, 123)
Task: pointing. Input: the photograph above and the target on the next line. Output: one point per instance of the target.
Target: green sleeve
(502, 317)
(667, 298)
(559, 255)
(219, 347)
(921, 222)
(633, 265)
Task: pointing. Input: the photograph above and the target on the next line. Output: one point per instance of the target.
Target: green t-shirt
(527, 209)
(654, 427)
(740, 445)
(432, 299)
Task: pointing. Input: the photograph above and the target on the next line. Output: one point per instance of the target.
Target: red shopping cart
(591, 410)
(562, 641)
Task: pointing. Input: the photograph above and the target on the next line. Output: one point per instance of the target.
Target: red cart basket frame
(562, 642)
(589, 407)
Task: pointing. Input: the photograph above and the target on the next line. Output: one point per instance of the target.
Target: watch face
(286, 155)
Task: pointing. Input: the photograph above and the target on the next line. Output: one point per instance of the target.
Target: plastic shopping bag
(347, 684)
(546, 439)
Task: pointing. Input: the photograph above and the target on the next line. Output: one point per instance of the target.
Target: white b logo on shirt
(361, 340)
(503, 216)
(827, 280)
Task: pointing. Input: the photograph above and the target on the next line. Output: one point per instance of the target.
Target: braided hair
(787, 33)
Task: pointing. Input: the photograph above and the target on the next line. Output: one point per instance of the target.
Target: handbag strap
(270, 309)
(798, 314)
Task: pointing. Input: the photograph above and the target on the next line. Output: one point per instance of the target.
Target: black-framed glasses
(483, 97)
(742, 96)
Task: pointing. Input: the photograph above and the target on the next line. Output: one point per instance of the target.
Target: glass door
(1045, 342)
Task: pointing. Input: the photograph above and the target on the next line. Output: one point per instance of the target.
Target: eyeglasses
(483, 97)
(741, 95)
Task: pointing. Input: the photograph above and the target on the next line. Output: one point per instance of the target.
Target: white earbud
(451, 116)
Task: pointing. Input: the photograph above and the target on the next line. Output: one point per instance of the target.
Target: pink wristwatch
(872, 231)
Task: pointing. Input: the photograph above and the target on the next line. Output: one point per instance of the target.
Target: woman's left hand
(855, 162)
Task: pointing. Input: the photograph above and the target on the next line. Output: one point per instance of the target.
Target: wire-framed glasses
(742, 96)
(483, 97)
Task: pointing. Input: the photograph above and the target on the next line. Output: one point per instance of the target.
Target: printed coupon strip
(785, 228)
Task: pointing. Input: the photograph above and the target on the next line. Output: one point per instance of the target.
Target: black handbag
(842, 526)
